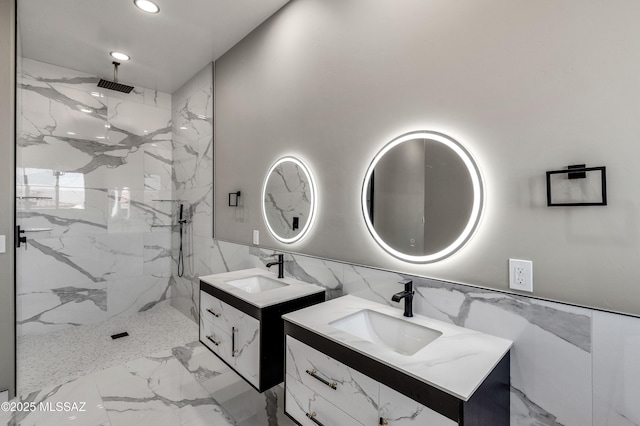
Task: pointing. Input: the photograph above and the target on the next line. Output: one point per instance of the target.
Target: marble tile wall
(192, 178)
(91, 165)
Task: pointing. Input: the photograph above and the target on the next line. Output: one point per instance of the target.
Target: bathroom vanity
(240, 320)
(351, 361)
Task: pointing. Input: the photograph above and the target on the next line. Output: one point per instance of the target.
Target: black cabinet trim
(490, 403)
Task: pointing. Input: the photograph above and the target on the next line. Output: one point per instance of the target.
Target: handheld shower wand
(181, 222)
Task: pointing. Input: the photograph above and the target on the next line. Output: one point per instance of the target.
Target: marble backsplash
(91, 167)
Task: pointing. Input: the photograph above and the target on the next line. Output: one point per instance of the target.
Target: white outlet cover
(521, 275)
(3, 244)
(4, 396)
(256, 237)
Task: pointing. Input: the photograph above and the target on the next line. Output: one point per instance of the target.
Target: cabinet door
(348, 389)
(241, 342)
(398, 410)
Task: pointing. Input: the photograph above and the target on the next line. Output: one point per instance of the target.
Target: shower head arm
(115, 71)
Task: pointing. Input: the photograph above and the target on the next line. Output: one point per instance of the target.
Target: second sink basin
(403, 337)
(256, 284)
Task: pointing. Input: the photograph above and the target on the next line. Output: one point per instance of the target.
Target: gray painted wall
(7, 193)
(526, 86)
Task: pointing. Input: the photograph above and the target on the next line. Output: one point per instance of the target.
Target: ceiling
(166, 48)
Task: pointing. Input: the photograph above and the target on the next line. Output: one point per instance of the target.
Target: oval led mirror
(289, 199)
(422, 197)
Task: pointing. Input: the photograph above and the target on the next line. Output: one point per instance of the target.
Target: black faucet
(280, 264)
(407, 295)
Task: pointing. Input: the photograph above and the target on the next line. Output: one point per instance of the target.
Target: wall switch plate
(4, 396)
(521, 275)
(3, 244)
(256, 237)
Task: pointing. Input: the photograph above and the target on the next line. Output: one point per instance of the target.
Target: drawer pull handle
(313, 373)
(233, 341)
(383, 421)
(213, 341)
(213, 313)
(312, 416)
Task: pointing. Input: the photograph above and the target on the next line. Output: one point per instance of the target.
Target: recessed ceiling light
(87, 110)
(120, 56)
(71, 133)
(108, 126)
(183, 128)
(100, 137)
(147, 6)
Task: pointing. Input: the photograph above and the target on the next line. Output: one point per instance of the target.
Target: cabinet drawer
(399, 410)
(346, 388)
(301, 402)
(211, 308)
(211, 336)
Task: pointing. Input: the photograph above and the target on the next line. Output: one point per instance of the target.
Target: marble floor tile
(81, 404)
(154, 390)
(58, 357)
(144, 379)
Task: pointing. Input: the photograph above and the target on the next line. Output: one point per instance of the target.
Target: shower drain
(119, 335)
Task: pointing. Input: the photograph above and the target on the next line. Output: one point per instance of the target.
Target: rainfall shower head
(114, 85)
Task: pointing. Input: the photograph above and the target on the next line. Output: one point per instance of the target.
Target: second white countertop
(457, 362)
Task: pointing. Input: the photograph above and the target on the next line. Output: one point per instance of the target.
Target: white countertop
(293, 290)
(457, 362)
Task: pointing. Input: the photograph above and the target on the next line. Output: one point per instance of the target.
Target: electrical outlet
(256, 237)
(521, 275)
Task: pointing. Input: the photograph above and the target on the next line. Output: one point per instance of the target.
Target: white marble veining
(293, 290)
(155, 390)
(96, 159)
(457, 362)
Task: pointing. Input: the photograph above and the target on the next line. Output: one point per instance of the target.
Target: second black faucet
(407, 295)
(280, 264)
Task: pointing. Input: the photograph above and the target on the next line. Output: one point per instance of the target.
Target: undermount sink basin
(256, 284)
(403, 337)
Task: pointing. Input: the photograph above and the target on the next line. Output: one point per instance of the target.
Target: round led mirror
(289, 200)
(422, 197)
